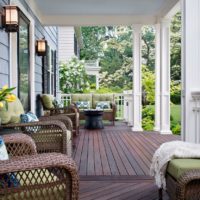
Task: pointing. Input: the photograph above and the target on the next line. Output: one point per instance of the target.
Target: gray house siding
(4, 54)
(50, 33)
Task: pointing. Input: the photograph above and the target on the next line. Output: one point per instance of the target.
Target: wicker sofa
(51, 134)
(109, 114)
(183, 179)
(28, 175)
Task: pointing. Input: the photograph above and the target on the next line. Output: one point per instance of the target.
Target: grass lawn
(176, 112)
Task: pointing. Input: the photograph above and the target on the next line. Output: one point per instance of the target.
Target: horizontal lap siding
(50, 33)
(4, 54)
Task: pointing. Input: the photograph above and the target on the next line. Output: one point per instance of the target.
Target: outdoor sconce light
(41, 47)
(10, 18)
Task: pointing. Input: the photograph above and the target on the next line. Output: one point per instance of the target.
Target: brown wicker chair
(36, 176)
(186, 188)
(70, 111)
(51, 134)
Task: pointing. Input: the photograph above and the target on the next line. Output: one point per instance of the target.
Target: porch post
(137, 85)
(97, 82)
(190, 70)
(157, 78)
(165, 77)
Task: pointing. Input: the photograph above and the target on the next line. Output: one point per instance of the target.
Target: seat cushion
(12, 115)
(47, 101)
(178, 167)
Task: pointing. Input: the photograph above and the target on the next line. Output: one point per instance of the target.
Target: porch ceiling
(100, 12)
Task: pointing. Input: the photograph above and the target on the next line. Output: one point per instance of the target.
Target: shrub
(148, 118)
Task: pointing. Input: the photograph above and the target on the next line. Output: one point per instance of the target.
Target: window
(49, 72)
(23, 62)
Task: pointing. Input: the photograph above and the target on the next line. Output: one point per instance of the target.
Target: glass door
(24, 62)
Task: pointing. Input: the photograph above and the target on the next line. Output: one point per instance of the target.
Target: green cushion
(101, 97)
(12, 115)
(81, 97)
(177, 167)
(47, 100)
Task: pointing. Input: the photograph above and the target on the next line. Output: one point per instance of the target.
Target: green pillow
(47, 100)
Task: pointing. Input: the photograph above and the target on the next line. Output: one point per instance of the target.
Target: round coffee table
(93, 119)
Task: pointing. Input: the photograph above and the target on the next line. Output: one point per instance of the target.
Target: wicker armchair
(51, 134)
(36, 176)
(70, 111)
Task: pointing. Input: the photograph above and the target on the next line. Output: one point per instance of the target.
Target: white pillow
(3, 150)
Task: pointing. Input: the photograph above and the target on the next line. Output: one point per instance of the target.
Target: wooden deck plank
(124, 159)
(113, 167)
(119, 163)
(90, 164)
(97, 158)
(104, 159)
(83, 162)
(114, 163)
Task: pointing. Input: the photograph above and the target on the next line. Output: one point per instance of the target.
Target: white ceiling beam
(95, 20)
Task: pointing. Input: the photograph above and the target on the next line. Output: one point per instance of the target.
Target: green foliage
(148, 118)
(148, 85)
(175, 93)
(148, 47)
(73, 77)
(176, 47)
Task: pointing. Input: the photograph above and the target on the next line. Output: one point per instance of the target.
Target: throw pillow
(83, 104)
(3, 150)
(57, 103)
(103, 105)
(28, 117)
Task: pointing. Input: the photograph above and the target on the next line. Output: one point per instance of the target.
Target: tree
(176, 47)
(148, 48)
(73, 77)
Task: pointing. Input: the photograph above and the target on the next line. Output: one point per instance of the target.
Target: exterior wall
(66, 43)
(50, 33)
(4, 54)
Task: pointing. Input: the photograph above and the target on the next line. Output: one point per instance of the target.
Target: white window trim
(13, 56)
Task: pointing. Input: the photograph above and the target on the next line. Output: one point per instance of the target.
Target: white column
(157, 76)
(97, 82)
(165, 77)
(190, 66)
(137, 85)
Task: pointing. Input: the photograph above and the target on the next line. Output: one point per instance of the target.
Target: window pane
(23, 67)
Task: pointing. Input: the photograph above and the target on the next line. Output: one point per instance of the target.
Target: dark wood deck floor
(114, 162)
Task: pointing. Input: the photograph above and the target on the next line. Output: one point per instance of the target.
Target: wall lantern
(10, 18)
(41, 47)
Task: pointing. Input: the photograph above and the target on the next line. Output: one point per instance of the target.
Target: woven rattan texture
(19, 144)
(42, 176)
(49, 136)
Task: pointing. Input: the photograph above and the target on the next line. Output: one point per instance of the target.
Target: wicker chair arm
(184, 180)
(19, 144)
(41, 129)
(39, 167)
(63, 118)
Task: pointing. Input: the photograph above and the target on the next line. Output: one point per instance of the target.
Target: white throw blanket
(167, 152)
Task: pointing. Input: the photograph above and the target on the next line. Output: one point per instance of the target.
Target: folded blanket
(167, 152)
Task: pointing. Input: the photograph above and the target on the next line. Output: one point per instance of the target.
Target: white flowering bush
(73, 77)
